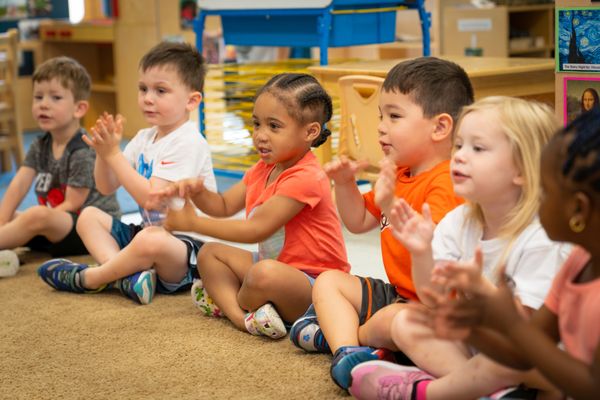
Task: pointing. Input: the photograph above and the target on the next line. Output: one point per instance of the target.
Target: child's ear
(519, 180)
(81, 107)
(579, 208)
(194, 100)
(444, 123)
(313, 130)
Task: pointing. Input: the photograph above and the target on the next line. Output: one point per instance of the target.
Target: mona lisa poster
(581, 94)
(578, 39)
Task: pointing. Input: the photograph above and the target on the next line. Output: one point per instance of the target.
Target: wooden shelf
(531, 7)
(531, 50)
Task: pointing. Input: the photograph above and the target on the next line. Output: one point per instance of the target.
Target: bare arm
(17, 189)
(536, 341)
(74, 199)
(264, 222)
(415, 232)
(349, 200)
(106, 180)
(222, 205)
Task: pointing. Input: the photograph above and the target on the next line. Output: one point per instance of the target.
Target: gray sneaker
(9, 263)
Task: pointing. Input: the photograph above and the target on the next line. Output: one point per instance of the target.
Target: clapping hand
(413, 230)
(106, 134)
(343, 170)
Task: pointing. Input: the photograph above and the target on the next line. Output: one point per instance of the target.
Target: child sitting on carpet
(289, 213)
(495, 166)
(171, 78)
(419, 102)
(61, 165)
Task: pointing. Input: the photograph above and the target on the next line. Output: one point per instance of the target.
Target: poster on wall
(580, 94)
(578, 39)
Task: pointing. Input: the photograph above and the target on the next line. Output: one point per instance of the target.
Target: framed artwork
(577, 39)
(580, 94)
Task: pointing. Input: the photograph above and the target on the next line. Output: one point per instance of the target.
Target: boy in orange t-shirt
(419, 102)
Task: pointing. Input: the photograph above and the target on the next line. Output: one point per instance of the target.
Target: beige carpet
(63, 345)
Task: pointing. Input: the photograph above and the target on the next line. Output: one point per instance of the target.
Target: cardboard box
(465, 29)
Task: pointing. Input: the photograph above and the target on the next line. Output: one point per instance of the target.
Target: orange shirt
(312, 240)
(433, 187)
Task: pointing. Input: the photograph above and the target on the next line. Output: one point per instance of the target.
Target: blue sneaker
(348, 357)
(64, 275)
(140, 286)
(307, 335)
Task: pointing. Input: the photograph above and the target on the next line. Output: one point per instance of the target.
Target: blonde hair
(528, 125)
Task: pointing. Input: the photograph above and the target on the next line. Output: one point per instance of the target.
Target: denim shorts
(124, 234)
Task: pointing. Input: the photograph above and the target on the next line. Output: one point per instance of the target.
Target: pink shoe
(385, 380)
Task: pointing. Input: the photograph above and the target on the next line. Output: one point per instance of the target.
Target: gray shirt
(74, 168)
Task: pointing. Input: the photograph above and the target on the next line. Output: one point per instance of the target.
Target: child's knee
(402, 329)
(34, 218)
(87, 216)
(150, 241)
(207, 251)
(326, 282)
(260, 276)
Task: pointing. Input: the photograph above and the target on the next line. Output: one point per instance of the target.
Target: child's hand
(188, 187)
(343, 170)
(385, 185)
(106, 135)
(453, 317)
(465, 276)
(413, 230)
(181, 220)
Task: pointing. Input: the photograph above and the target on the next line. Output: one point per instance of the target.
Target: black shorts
(376, 294)
(70, 245)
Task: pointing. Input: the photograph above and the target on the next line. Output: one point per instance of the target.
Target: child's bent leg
(376, 331)
(418, 342)
(55, 225)
(222, 269)
(94, 228)
(337, 297)
(151, 247)
(480, 376)
(271, 281)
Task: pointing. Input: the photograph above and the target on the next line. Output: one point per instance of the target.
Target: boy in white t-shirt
(141, 259)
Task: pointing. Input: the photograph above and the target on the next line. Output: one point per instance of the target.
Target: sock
(420, 392)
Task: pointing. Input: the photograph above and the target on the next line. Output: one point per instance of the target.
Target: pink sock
(421, 389)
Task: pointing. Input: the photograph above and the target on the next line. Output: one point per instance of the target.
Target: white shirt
(532, 262)
(183, 153)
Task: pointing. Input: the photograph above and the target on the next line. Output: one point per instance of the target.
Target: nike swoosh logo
(167, 162)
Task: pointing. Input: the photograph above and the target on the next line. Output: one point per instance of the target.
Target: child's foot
(265, 321)
(202, 300)
(65, 275)
(307, 335)
(140, 286)
(9, 263)
(386, 380)
(347, 357)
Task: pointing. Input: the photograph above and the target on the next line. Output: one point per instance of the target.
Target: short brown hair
(68, 72)
(186, 59)
(437, 86)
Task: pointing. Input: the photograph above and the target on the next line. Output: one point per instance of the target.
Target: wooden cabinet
(502, 31)
(536, 24)
(111, 50)
(93, 46)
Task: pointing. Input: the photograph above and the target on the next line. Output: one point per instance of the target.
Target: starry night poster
(578, 39)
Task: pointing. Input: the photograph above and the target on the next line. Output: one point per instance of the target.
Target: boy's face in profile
(54, 107)
(404, 132)
(164, 99)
